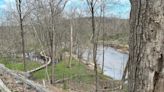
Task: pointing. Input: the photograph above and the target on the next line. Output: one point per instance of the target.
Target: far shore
(122, 48)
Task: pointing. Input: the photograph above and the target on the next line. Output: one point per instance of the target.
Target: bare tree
(19, 9)
(56, 7)
(102, 27)
(51, 37)
(71, 43)
(91, 4)
(72, 25)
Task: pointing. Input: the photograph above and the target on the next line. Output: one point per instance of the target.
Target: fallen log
(42, 53)
(42, 66)
(36, 86)
(3, 87)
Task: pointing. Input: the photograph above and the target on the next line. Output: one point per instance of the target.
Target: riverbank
(122, 48)
(78, 77)
(115, 59)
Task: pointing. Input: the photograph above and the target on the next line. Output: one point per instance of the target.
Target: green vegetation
(62, 71)
(79, 76)
(17, 64)
(78, 71)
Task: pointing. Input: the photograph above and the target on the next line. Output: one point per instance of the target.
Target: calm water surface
(114, 61)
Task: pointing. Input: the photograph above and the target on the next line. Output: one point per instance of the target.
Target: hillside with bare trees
(81, 46)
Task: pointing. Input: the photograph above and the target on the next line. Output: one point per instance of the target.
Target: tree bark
(146, 61)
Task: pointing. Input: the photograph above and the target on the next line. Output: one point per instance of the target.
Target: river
(114, 61)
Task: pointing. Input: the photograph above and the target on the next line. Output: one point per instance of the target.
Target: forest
(81, 46)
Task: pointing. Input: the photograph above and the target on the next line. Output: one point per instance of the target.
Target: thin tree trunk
(23, 44)
(71, 42)
(51, 36)
(103, 11)
(94, 46)
(18, 5)
(146, 57)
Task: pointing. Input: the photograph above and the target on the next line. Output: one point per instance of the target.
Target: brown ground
(15, 85)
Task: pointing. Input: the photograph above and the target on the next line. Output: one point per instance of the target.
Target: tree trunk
(146, 62)
(71, 43)
(51, 36)
(19, 6)
(103, 29)
(94, 46)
